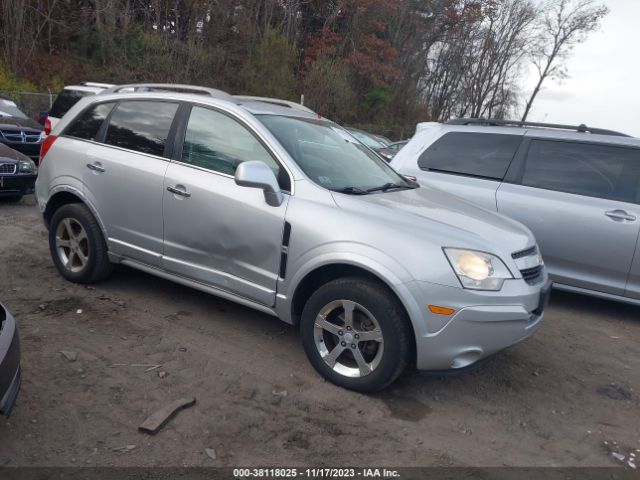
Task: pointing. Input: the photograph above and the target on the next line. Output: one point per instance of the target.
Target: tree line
(382, 64)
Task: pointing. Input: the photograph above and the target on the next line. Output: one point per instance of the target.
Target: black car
(17, 174)
(19, 131)
(10, 375)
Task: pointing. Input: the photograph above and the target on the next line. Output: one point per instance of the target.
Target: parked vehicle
(391, 150)
(18, 131)
(372, 141)
(288, 214)
(67, 98)
(17, 174)
(10, 375)
(576, 188)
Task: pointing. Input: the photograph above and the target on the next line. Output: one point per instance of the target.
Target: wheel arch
(322, 274)
(66, 195)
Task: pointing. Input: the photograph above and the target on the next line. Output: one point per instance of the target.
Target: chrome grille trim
(8, 168)
(524, 253)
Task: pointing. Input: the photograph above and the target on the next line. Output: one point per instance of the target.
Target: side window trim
(102, 131)
(181, 131)
(516, 167)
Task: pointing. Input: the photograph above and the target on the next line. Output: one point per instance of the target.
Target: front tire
(356, 334)
(77, 246)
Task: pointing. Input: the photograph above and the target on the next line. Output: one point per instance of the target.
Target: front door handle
(96, 167)
(619, 215)
(179, 190)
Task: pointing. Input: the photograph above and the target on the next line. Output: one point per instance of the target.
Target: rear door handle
(96, 167)
(620, 215)
(179, 190)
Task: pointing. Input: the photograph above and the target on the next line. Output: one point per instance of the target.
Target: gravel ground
(568, 396)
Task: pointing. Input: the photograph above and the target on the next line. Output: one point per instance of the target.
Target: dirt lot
(569, 396)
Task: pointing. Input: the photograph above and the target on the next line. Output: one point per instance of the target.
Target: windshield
(9, 109)
(330, 157)
(366, 139)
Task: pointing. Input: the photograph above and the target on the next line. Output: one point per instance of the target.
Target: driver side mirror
(257, 174)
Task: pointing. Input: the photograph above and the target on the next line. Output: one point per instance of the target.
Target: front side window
(87, 125)
(483, 155)
(142, 126)
(603, 171)
(219, 143)
(329, 155)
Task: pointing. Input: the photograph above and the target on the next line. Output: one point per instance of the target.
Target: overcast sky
(603, 88)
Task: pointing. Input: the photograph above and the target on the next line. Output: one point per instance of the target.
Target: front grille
(524, 253)
(7, 168)
(532, 275)
(21, 135)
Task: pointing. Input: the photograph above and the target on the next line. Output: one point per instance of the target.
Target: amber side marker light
(441, 310)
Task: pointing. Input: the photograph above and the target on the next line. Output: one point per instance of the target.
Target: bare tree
(564, 24)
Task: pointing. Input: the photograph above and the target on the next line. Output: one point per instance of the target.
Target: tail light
(45, 146)
(47, 126)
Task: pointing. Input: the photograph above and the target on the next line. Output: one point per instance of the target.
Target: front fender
(376, 262)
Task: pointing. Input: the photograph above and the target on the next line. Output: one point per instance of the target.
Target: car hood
(433, 212)
(9, 155)
(12, 122)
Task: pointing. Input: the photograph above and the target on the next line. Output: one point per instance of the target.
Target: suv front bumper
(483, 323)
(10, 373)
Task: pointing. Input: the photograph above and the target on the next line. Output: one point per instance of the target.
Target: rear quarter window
(87, 125)
(483, 155)
(65, 100)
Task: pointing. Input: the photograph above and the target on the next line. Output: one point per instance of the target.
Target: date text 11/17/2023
(242, 473)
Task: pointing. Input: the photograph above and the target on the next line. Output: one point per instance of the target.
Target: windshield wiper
(352, 191)
(388, 186)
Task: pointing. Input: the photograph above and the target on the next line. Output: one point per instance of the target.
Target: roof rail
(168, 87)
(274, 101)
(514, 123)
(99, 85)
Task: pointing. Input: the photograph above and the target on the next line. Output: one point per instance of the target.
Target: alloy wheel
(72, 245)
(348, 338)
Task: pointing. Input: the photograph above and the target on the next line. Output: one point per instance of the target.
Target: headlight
(26, 166)
(478, 270)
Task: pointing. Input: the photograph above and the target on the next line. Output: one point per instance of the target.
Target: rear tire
(356, 334)
(77, 246)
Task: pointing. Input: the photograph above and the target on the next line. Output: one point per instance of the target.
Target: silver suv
(576, 188)
(288, 214)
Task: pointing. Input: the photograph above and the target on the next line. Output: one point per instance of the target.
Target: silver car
(577, 189)
(288, 214)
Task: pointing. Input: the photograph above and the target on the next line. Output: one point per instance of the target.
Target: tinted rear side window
(86, 125)
(602, 171)
(142, 126)
(485, 155)
(65, 100)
